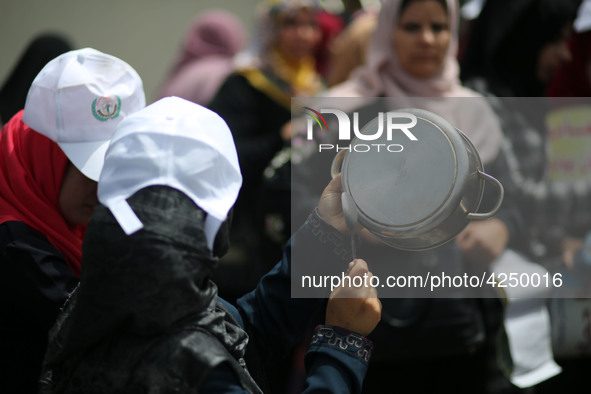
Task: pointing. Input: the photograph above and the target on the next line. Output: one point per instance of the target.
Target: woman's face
(298, 35)
(77, 197)
(421, 38)
(553, 55)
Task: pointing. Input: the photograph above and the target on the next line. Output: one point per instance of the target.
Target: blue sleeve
(336, 361)
(222, 379)
(270, 309)
(233, 311)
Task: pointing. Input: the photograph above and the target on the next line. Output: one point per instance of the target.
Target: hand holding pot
(356, 309)
(329, 206)
(570, 246)
(484, 241)
(331, 210)
(285, 132)
(418, 197)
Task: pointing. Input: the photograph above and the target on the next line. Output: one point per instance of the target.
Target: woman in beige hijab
(411, 62)
(412, 59)
(413, 55)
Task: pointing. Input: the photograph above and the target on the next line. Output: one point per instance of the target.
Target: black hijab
(40, 51)
(505, 41)
(146, 314)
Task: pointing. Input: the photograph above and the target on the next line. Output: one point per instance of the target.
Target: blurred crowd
(207, 184)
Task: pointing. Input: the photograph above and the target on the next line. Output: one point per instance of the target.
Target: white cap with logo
(177, 143)
(78, 99)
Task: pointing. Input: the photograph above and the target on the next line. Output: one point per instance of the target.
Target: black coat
(146, 317)
(34, 284)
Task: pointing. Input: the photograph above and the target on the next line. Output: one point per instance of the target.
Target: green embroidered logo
(106, 107)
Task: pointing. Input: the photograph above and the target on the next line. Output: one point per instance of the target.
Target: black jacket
(146, 317)
(34, 284)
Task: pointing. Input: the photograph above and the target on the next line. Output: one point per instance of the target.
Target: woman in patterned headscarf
(255, 101)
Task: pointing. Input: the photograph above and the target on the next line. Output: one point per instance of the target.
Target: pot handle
(337, 163)
(501, 193)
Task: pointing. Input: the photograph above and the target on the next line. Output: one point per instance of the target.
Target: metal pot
(421, 193)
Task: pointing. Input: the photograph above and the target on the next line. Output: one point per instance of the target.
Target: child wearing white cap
(146, 316)
(51, 155)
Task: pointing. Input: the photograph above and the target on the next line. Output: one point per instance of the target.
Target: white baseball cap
(78, 99)
(582, 22)
(177, 143)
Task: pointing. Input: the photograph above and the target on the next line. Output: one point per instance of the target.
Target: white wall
(144, 33)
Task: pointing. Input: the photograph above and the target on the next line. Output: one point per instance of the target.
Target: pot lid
(402, 182)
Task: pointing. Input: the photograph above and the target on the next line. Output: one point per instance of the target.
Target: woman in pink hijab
(206, 58)
(412, 59)
(413, 55)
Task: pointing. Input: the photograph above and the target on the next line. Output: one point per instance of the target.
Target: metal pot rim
(452, 204)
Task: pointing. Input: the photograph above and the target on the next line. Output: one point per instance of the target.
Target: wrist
(343, 340)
